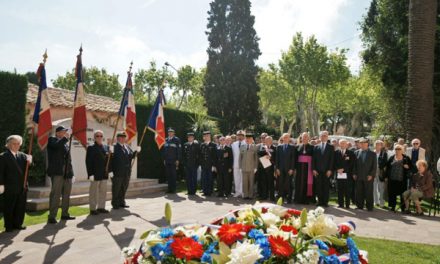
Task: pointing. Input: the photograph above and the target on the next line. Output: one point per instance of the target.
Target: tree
(419, 110)
(32, 77)
(184, 85)
(230, 86)
(97, 81)
(147, 82)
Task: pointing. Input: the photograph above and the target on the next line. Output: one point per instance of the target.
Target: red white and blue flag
(42, 117)
(157, 120)
(128, 110)
(79, 120)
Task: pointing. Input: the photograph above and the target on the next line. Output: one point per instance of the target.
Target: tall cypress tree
(230, 86)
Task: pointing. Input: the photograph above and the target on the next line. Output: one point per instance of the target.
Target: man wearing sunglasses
(415, 153)
(96, 164)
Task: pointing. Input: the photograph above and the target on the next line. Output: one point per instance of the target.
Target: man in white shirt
(238, 178)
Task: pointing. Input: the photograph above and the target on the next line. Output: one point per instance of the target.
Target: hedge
(13, 89)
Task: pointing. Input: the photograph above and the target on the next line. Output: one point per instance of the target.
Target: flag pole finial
(131, 67)
(45, 57)
(81, 49)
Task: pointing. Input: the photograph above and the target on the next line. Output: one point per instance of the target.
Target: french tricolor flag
(42, 117)
(157, 120)
(79, 120)
(128, 110)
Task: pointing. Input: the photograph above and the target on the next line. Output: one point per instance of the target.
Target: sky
(113, 32)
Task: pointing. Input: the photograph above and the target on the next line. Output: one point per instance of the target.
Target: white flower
(310, 256)
(270, 219)
(128, 252)
(245, 253)
(274, 231)
(321, 226)
(278, 211)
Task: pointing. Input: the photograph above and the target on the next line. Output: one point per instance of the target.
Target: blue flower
(354, 252)
(212, 248)
(196, 238)
(166, 233)
(206, 258)
(332, 259)
(232, 220)
(255, 234)
(156, 250)
(167, 250)
(321, 245)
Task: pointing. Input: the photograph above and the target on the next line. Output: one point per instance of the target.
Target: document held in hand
(342, 176)
(265, 162)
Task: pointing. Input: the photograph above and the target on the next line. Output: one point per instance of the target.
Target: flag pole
(117, 120)
(71, 135)
(31, 140)
(146, 126)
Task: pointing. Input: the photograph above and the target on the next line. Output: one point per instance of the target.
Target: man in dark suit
(60, 172)
(191, 153)
(98, 172)
(208, 160)
(285, 168)
(364, 173)
(266, 175)
(12, 183)
(171, 153)
(322, 165)
(121, 166)
(224, 168)
(344, 165)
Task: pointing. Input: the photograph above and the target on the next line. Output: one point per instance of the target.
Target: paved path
(99, 239)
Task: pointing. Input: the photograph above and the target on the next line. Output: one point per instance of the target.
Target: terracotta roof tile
(64, 98)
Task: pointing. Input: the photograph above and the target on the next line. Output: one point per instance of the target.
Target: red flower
(344, 229)
(333, 251)
(230, 233)
(287, 228)
(264, 210)
(187, 248)
(294, 212)
(247, 228)
(280, 247)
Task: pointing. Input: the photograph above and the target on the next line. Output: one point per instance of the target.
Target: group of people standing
(102, 162)
(301, 170)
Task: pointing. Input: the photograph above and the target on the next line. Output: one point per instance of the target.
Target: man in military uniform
(208, 158)
(248, 165)
(191, 153)
(171, 153)
(224, 168)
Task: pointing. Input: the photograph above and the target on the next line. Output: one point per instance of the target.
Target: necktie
(248, 147)
(363, 156)
(285, 147)
(239, 144)
(322, 148)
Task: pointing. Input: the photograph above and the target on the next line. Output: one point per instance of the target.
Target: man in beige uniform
(248, 165)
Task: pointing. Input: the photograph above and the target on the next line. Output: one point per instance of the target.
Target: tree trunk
(421, 40)
(282, 124)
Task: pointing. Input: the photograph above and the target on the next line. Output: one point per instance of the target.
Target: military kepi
(207, 132)
(61, 128)
(170, 129)
(121, 134)
(190, 134)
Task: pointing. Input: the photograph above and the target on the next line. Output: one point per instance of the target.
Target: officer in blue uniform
(191, 153)
(208, 160)
(171, 153)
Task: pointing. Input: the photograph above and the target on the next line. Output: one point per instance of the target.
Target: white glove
(255, 170)
(2, 189)
(111, 149)
(213, 169)
(138, 149)
(91, 178)
(110, 174)
(29, 158)
(73, 179)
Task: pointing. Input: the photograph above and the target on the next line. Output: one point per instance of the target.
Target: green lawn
(387, 251)
(33, 218)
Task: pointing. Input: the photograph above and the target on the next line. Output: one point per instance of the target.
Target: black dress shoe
(68, 217)
(20, 228)
(94, 212)
(115, 207)
(51, 221)
(9, 230)
(125, 206)
(102, 211)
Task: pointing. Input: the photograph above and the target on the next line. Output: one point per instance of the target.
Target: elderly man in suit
(285, 167)
(248, 165)
(60, 172)
(13, 183)
(98, 172)
(224, 168)
(344, 165)
(415, 153)
(238, 178)
(364, 173)
(322, 164)
(121, 166)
